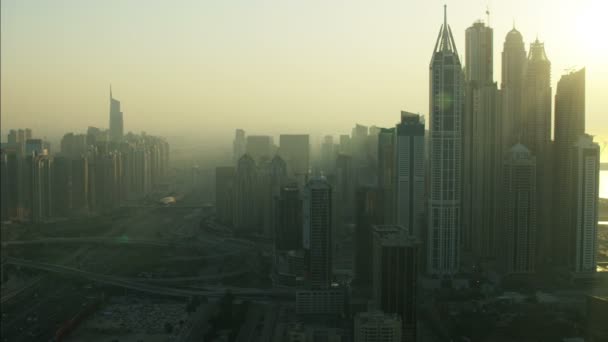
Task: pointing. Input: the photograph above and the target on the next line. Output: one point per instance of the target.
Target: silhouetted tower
(569, 127)
(317, 240)
(116, 120)
(511, 88)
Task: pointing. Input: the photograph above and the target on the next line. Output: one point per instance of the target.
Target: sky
(204, 68)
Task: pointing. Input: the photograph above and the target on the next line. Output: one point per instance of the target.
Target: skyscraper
(445, 155)
(224, 193)
(259, 147)
(569, 127)
(239, 145)
(246, 209)
(511, 88)
(410, 173)
(288, 222)
(369, 212)
(295, 149)
(387, 173)
(317, 241)
(586, 171)
(395, 272)
(116, 120)
(536, 128)
(481, 134)
(518, 234)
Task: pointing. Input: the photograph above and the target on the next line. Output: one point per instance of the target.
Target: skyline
(356, 65)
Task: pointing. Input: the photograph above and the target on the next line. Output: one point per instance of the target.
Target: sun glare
(591, 29)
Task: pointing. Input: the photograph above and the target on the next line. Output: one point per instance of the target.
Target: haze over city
(198, 68)
(303, 171)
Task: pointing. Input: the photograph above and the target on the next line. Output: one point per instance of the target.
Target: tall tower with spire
(446, 106)
(116, 123)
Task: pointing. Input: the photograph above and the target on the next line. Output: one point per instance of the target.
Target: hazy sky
(206, 67)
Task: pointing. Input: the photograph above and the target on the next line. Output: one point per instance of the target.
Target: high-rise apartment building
(317, 236)
(586, 171)
(445, 155)
(518, 235)
(410, 173)
(395, 272)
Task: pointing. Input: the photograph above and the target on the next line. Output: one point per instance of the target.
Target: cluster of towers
(92, 172)
(499, 187)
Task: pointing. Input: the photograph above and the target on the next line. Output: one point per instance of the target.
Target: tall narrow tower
(569, 127)
(116, 122)
(446, 105)
(317, 232)
(511, 88)
(482, 144)
(536, 127)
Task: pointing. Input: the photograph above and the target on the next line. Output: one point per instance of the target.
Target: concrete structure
(317, 236)
(445, 155)
(410, 173)
(395, 274)
(376, 326)
(519, 223)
